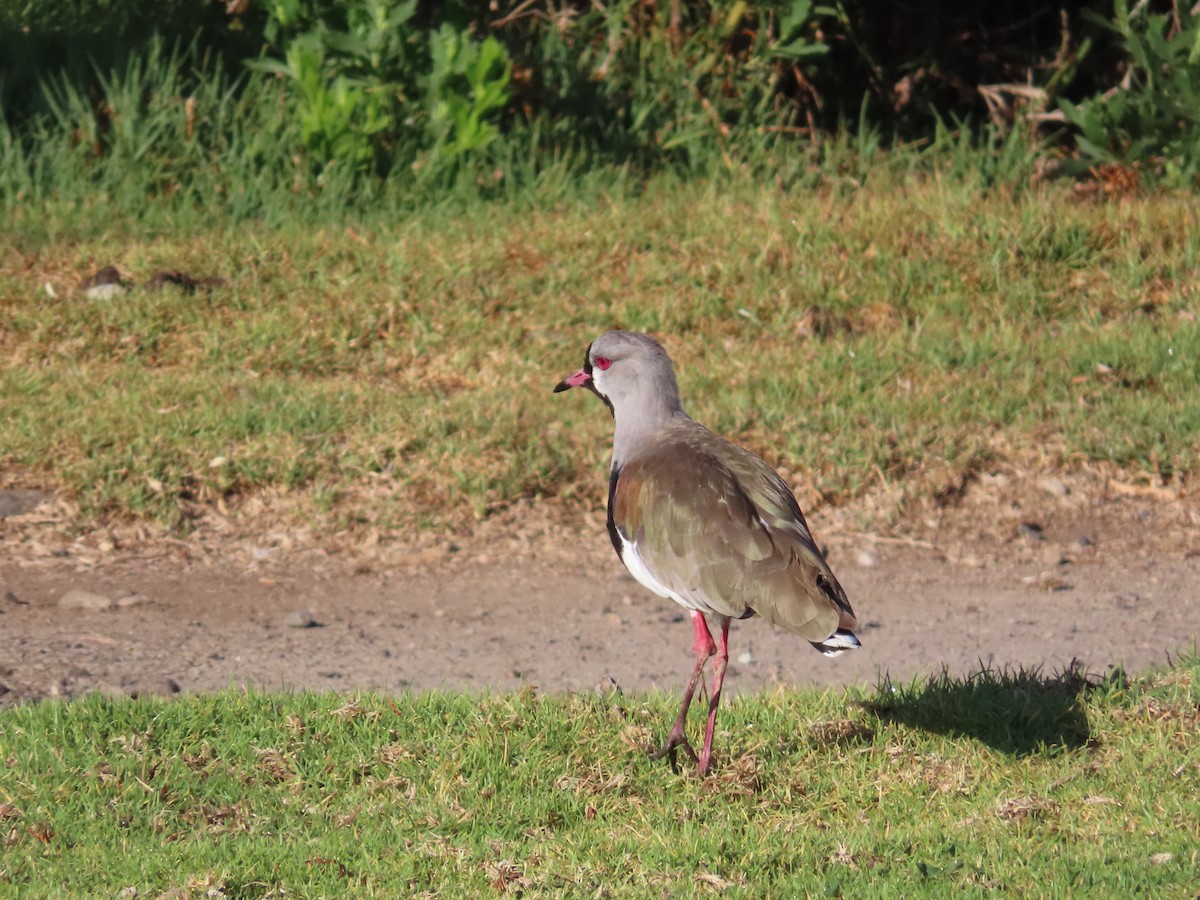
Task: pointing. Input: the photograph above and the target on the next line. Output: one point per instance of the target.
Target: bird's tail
(841, 640)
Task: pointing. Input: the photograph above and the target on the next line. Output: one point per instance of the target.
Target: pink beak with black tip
(583, 376)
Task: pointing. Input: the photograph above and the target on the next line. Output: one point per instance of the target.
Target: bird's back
(720, 532)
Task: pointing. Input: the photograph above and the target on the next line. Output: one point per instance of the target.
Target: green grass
(912, 329)
(1005, 782)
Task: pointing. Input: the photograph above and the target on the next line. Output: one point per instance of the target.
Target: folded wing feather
(716, 528)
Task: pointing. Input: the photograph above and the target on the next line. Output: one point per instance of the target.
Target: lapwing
(704, 522)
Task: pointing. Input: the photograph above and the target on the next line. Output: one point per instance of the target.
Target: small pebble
(1047, 581)
(1053, 556)
(18, 502)
(1031, 530)
(867, 558)
(77, 599)
(745, 657)
(153, 687)
(104, 291)
(300, 618)
(607, 687)
(1053, 487)
(131, 600)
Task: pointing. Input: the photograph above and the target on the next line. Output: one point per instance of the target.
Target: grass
(1011, 782)
(907, 329)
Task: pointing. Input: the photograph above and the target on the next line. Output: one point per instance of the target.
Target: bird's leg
(703, 647)
(718, 679)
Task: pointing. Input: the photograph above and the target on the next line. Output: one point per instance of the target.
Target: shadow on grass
(1019, 712)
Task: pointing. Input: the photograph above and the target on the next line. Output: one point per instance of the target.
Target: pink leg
(703, 647)
(718, 679)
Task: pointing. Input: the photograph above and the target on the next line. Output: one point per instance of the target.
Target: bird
(704, 522)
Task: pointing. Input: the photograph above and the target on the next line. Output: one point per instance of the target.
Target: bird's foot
(675, 740)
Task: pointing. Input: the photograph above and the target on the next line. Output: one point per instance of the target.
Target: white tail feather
(837, 643)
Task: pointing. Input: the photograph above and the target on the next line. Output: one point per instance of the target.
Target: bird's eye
(602, 362)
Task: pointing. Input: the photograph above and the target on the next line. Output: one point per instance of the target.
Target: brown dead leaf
(713, 880)
(1018, 809)
(1144, 490)
(503, 873)
(840, 731)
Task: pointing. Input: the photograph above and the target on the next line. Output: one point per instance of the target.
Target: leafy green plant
(796, 40)
(374, 83)
(468, 84)
(715, 83)
(349, 72)
(340, 117)
(1151, 117)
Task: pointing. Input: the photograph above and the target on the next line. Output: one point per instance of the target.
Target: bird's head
(630, 372)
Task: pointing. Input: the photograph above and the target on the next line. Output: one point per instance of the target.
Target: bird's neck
(639, 427)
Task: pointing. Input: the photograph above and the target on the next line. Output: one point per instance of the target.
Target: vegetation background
(232, 108)
(347, 174)
(355, 245)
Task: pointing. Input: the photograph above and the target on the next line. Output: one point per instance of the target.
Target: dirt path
(542, 600)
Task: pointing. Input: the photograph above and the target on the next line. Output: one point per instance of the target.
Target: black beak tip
(561, 386)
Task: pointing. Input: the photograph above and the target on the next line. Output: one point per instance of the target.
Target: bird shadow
(1018, 711)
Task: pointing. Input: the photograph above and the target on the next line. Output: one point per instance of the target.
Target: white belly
(641, 572)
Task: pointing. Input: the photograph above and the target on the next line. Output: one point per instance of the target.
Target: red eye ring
(602, 362)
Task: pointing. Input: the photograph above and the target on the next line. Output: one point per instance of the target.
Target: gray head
(632, 373)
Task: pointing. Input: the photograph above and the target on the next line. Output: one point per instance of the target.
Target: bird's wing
(721, 531)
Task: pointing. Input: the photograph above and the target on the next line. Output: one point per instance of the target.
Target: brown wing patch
(625, 506)
(717, 525)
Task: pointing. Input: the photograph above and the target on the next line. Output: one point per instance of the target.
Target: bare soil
(1014, 570)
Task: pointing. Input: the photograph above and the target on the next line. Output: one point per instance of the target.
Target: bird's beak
(579, 378)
